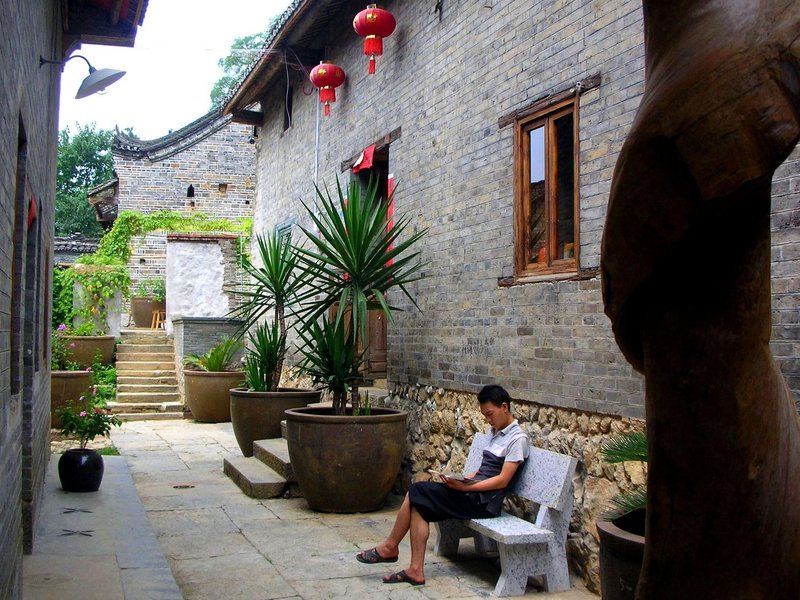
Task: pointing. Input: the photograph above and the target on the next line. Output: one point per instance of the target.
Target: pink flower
(81, 399)
(62, 327)
(88, 368)
(72, 344)
(98, 411)
(94, 390)
(83, 412)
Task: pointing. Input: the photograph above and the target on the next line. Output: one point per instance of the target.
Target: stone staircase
(147, 387)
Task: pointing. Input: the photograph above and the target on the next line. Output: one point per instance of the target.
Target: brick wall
(28, 112)
(445, 82)
(196, 335)
(216, 160)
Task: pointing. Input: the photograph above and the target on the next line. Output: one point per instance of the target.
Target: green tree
(236, 65)
(84, 161)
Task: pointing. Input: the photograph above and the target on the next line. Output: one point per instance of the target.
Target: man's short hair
(495, 394)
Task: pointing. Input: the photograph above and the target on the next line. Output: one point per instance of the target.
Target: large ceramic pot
(80, 470)
(142, 308)
(82, 348)
(621, 555)
(208, 394)
(345, 464)
(66, 386)
(258, 415)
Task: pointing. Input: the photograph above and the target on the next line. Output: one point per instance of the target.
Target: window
(545, 195)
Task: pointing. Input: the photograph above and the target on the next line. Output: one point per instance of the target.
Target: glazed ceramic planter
(621, 555)
(346, 464)
(82, 348)
(208, 394)
(142, 308)
(66, 386)
(80, 470)
(258, 415)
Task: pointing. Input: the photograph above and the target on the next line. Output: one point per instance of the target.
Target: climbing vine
(103, 274)
(117, 241)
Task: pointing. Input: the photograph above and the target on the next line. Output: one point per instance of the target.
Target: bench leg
(450, 532)
(556, 576)
(514, 563)
(518, 562)
(484, 545)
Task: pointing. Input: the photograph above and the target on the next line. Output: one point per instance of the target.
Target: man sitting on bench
(479, 495)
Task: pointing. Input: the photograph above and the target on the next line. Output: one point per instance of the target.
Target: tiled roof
(172, 143)
(75, 244)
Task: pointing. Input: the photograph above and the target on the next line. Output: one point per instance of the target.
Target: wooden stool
(158, 319)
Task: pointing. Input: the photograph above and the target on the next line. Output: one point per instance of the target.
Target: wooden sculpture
(686, 283)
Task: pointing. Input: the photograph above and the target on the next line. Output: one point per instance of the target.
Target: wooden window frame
(524, 268)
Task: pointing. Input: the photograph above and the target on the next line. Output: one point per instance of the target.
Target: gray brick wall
(221, 169)
(196, 335)
(446, 82)
(28, 108)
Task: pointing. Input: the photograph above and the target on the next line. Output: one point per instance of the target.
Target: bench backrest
(546, 476)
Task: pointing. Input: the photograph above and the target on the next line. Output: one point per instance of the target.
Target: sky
(170, 69)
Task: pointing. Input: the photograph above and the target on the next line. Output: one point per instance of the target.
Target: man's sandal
(402, 577)
(372, 557)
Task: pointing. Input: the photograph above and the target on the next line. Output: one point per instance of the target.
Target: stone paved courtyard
(220, 543)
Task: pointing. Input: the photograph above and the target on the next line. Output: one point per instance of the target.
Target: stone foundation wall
(442, 423)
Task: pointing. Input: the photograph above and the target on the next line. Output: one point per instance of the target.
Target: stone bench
(525, 548)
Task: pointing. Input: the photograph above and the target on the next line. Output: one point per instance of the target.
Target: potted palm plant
(621, 528)
(150, 295)
(208, 379)
(257, 408)
(349, 266)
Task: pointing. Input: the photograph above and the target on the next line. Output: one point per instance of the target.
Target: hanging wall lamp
(96, 81)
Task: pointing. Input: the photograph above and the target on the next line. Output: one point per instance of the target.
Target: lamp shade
(97, 81)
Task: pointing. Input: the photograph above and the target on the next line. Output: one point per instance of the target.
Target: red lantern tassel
(371, 67)
(327, 109)
(327, 94)
(373, 45)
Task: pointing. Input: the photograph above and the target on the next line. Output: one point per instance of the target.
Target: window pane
(536, 248)
(565, 188)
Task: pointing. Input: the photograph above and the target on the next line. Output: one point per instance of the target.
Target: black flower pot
(80, 470)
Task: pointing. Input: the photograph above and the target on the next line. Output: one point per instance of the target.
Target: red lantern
(327, 77)
(374, 24)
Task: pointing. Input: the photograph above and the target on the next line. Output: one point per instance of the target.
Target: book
(438, 474)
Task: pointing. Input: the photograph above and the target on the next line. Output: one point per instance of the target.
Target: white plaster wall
(195, 281)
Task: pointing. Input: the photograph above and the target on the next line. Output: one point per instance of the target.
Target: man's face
(494, 415)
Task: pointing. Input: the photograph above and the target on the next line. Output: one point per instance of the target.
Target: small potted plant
(208, 379)
(81, 469)
(68, 379)
(257, 409)
(148, 296)
(621, 528)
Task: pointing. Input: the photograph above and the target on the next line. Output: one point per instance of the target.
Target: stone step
(145, 365)
(254, 478)
(139, 348)
(136, 397)
(275, 454)
(146, 387)
(146, 407)
(146, 380)
(148, 416)
(139, 357)
(149, 376)
(144, 336)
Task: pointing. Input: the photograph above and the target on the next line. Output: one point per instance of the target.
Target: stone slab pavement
(221, 544)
